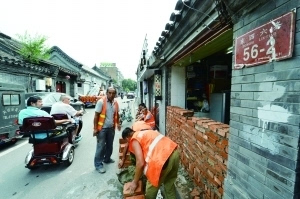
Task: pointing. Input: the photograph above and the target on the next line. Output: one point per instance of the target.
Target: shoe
(101, 169)
(78, 138)
(110, 161)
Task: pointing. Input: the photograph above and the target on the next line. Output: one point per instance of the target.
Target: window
(11, 99)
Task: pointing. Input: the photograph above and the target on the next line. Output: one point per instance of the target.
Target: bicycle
(123, 116)
(128, 107)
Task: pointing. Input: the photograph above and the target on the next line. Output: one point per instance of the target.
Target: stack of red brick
(122, 145)
(138, 194)
(203, 146)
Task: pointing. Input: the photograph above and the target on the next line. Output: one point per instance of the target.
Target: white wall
(86, 87)
(178, 87)
(162, 104)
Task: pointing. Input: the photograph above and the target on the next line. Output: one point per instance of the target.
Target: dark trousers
(79, 127)
(104, 148)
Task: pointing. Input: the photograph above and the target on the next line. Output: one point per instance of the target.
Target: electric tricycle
(52, 144)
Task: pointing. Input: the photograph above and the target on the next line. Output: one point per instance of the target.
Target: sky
(91, 31)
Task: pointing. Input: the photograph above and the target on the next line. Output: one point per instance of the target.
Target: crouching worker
(157, 157)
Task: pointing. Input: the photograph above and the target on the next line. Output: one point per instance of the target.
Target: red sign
(269, 42)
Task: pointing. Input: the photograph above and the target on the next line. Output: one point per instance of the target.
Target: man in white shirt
(64, 107)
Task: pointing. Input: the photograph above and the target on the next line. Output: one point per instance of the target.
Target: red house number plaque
(271, 41)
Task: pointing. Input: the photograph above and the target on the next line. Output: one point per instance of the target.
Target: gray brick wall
(14, 78)
(264, 127)
(25, 80)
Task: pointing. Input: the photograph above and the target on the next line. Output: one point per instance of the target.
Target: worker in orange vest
(147, 117)
(139, 111)
(157, 157)
(106, 119)
(137, 126)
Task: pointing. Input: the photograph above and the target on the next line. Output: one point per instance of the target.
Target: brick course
(203, 144)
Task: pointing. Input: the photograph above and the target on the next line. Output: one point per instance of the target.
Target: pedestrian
(64, 107)
(34, 104)
(106, 119)
(157, 157)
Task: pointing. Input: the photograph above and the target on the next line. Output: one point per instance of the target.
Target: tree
(129, 85)
(33, 49)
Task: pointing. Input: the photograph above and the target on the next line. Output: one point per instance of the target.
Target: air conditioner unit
(40, 85)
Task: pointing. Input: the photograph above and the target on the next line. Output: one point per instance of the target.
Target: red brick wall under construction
(203, 146)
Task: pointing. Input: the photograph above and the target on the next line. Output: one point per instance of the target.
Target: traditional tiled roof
(7, 59)
(9, 55)
(65, 56)
(90, 70)
(101, 71)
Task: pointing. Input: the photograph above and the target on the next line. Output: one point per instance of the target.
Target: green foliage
(129, 85)
(33, 49)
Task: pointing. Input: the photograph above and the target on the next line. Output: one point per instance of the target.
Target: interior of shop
(208, 87)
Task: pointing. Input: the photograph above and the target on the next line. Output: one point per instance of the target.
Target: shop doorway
(61, 87)
(208, 87)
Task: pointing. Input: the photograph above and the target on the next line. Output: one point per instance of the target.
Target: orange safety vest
(150, 121)
(102, 115)
(156, 149)
(140, 125)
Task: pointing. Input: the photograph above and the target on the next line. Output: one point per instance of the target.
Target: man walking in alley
(156, 156)
(106, 119)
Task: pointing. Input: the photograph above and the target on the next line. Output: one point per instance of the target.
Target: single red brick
(190, 123)
(138, 191)
(224, 141)
(122, 141)
(122, 147)
(195, 119)
(219, 158)
(211, 140)
(213, 127)
(213, 182)
(217, 180)
(212, 135)
(221, 191)
(224, 154)
(210, 173)
(223, 131)
(220, 146)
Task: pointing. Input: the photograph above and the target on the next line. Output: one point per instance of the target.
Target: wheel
(13, 141)
(70, 159)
